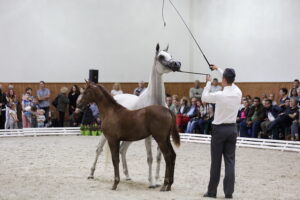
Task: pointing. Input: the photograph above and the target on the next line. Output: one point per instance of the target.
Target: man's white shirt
(227, 102)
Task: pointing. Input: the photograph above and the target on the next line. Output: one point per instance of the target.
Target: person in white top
(224, 131)
(116, 89)
(215, 86)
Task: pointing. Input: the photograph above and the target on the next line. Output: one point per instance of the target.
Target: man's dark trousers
(223, 142)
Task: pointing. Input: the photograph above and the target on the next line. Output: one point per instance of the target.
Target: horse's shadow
(128, 184)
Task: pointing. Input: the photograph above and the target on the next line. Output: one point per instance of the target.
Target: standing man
(196, 91)
(43, 95)
(224, 131)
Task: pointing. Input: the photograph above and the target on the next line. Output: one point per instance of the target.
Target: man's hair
(296, 80)
(256, 98)
(295, 99)
(42, 82)
(215, 79)
(269, 101)
(284, 90)
(229, 75)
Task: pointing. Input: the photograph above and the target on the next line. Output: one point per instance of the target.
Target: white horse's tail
(107, 155)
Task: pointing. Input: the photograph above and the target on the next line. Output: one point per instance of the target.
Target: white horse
(154, 94)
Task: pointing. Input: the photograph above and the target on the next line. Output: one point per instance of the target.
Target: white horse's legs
(149, 160)
(98, 152)
(158, 159)
(123, 149)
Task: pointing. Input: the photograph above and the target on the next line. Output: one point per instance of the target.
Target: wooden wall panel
(181, 89)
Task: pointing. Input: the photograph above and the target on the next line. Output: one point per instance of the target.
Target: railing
(39, 132)
(282, 145)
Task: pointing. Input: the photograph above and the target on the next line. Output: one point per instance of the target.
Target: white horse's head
(164, 61)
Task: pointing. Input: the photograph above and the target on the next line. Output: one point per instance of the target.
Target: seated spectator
(26, 111)
(283, 93)
(182, 118)
(206, 116)
(272, 97)
(40, 118)
(289, 118)
(194, 117)
(175, 104)
(12, 115)
(296, 85)
(251, 126)
(141, 87)
(196, 91)
(271, 114)
(298, 94)
(169, 101)
(215, 87)
(62, 105)
(286, 105)
(242, 114)
(250, 100)
(293, 93)
(116, 89)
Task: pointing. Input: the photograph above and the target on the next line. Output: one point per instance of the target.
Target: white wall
(59, 40)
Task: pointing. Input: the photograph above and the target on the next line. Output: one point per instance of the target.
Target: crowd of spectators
(258, 117)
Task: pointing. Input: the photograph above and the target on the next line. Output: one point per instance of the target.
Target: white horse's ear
(157, 48)
(167, 48)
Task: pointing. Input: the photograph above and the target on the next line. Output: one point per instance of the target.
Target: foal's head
(88, 95)
(95, 93)
(164, 61)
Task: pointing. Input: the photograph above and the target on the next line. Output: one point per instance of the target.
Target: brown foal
(120, 124)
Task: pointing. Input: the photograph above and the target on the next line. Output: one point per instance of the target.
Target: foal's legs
(114, 146)
(149, 160)
(173, 158)
(168, 155)
(123, 150)
(98, 152)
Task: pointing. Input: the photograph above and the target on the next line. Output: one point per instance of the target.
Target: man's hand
(208, 78)
(77, 110)
(213, 67)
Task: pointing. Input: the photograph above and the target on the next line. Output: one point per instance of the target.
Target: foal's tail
(174, 131)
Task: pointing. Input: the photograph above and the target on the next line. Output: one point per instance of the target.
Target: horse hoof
(157, 185)
(152, 187)
(163, 189)
(128, 179)
(114, 187)
(91, 177)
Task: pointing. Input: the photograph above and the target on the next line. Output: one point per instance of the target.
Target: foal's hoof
(157, 185)
(114, 187)
(91, 177)
(152, 186)
(163, 188)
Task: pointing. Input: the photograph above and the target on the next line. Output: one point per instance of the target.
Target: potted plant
(87, 130)
(82, 129)
(94, 129)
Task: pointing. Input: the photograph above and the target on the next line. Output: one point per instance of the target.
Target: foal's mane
(108, 96)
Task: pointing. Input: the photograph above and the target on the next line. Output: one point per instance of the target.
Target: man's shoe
(229, 196)
(210, 195)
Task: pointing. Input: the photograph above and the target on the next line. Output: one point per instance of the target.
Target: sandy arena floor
(57, 168)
